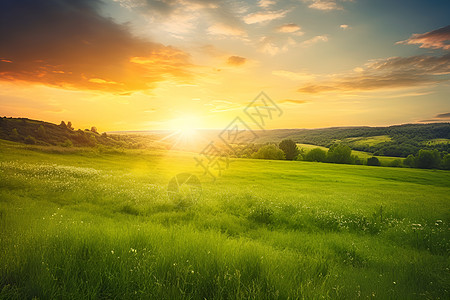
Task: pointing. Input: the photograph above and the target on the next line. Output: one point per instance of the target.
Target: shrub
(30, 140)
(289, 147)
(373, 161)
(269, 152)
(410, 161)
(340, 154)
(427, 159)
(395, 163)
(316, 154)
(446, 162)
(67, 143)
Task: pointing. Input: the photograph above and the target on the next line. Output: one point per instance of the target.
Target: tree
(428, 159)
(340, 154)
(94, 129)
(316, 154)
(395, 163)
(30, 140)
(42, 133)
(269, 152)
(289, 148)
(373, 161)
(446, 162)
(410, 161)
(69, 125)
(62, 124)
(15, 134)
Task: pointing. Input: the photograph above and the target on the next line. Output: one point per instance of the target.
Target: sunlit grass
(97, 225)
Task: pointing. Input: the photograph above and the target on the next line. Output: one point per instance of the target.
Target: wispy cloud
(436, 39)
(225, 29)
(266, 3)
(292, 101)
(444, 117)
(344, 26)
(295, 76)
(222, 105)
(273, 45)
(73, 55)
(236, 60)
(323, 4)
(289, 28)
(391, 73)
(264, 16)
(314, 40)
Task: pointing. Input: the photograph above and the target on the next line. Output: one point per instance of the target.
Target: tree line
(342, 154)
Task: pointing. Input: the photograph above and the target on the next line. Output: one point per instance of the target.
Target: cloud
(273, 45)
(326, 5)
(288, 28)
(296, 76)
(443, 116)
(266, 3)
(314, 40)
(222, 105)
(69, 44)
(181, 16)
(225, 29)
(390, 73)
(436, 39)
(344, 26)
(292, 101)
(264, 16)
(236, 60)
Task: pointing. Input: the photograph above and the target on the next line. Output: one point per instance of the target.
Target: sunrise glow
(146, 66)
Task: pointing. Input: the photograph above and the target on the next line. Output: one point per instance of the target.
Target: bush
(373, 161)
(289, 147)
(30, 140)
(395, 163)
(446, 162)
(269, 152)
(67, 143)
(427, 159)
(410, 161)
(316, 154)
(340, 154)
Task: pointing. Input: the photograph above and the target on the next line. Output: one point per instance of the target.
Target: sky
(172, 64)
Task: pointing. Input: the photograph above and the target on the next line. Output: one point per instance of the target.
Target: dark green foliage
(427, 159)
(289, 148)
(373, 161)
(340, 154)
(317, 155)
(44, 133)
(446, 162)
(406, 139)
(410, 161)
(67, 143)
(269, 152)
(30, 140)
(395, 163)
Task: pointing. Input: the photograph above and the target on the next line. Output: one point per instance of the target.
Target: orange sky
(142, 65)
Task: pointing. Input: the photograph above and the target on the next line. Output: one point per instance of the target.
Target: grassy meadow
(98, 223)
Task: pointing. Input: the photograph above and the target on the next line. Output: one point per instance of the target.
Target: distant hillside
(35, 132)
(398, 140)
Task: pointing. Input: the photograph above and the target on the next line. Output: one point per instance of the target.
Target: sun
(184, 131)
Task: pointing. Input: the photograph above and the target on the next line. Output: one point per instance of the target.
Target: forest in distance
(409, 145)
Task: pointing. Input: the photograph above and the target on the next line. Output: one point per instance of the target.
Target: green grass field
(369, 141)
(100, 224)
